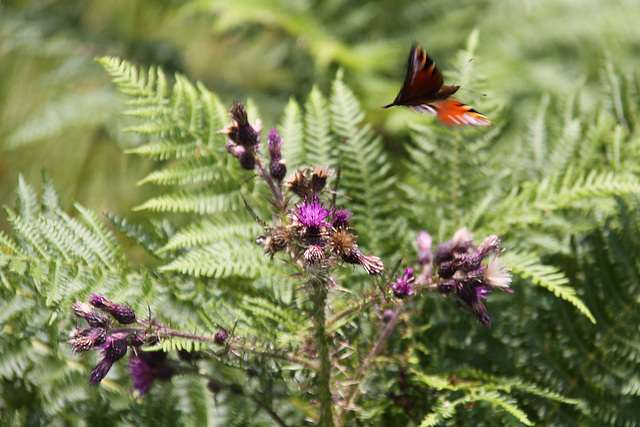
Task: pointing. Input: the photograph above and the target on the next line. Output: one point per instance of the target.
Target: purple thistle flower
(341, 218)
(402, 287)
(313, 214)
(113, 350)
(142, 375)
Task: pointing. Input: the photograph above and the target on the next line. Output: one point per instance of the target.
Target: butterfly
(424, 91)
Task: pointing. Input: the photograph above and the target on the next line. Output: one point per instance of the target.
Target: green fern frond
(214, 229)
(319, 144)
(292, 133)
(221, 260)
(204, 169)
(365, 166)
(528, 267)
(152, 239)
(205, 201)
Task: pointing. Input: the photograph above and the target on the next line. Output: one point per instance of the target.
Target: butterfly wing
(422, 82)
(452, 112)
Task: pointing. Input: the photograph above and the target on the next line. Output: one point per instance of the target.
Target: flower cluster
(322, 232)
(100, 335)
(244, 138)
(460, 268)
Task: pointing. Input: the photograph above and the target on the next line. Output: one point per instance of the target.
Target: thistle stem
(319, 299)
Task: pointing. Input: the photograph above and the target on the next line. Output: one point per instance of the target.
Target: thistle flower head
(277, 166)
(402, 287)
(341, 218)
(112, 350)
(245, 156)
(312, 214)
(462, 243)
(142, 375)
(94, 319)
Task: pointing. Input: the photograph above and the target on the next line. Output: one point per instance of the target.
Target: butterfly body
(424, 91)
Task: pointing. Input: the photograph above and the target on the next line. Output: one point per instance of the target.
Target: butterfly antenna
(460, 74)
(462, 71)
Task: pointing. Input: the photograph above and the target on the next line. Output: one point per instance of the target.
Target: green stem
(325, 398)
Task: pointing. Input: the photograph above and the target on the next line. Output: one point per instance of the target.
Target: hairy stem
(325, 400)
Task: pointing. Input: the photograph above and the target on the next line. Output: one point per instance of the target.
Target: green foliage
(560, 196)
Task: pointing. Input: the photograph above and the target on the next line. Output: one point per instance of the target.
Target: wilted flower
(87, 338)
(319, 178)
(240, 131)
(299, 184)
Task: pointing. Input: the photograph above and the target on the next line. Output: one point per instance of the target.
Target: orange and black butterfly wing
(452, 112)
(423, 81)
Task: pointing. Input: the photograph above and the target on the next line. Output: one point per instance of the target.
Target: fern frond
(319, 144)
(364, 166)
(213, 229)
(221, 260)
(205, 201)
(528, 267)
(292, 133)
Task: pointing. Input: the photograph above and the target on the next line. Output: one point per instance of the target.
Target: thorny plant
(313, 233)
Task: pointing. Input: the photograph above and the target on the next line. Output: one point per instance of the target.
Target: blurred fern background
(556, 177)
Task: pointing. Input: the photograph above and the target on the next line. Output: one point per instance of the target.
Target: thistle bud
(277, 166)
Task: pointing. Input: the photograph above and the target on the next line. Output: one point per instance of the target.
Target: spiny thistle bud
(240, 131)
(220, 337)
(299, 184)
(277, 166)
(122, 313)
(313, 254)
(402, 287)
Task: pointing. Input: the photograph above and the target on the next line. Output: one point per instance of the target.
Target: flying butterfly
(424, 91)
